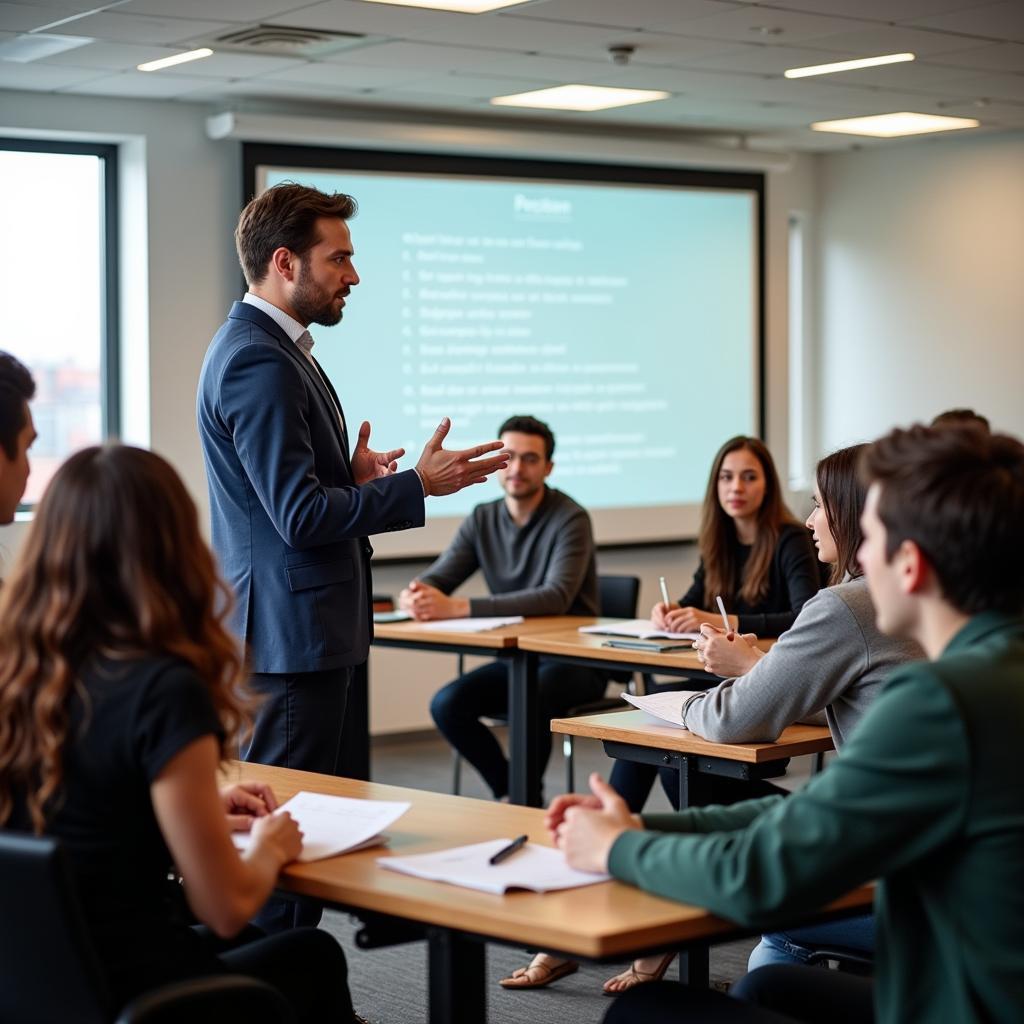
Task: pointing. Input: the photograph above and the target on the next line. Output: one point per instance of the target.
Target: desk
(502, 643)
(635, 736)
(610, 921)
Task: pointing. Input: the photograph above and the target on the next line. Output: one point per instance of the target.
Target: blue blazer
(289, 524)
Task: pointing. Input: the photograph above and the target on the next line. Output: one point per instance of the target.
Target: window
(58, 208)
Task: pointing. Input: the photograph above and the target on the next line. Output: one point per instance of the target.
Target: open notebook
(539, 868)
(666, 705)
(639, 629)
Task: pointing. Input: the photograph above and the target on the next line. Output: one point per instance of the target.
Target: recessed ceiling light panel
(890, 126)
(579, 97)
(848, 65)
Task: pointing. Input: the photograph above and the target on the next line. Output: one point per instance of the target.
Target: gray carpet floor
(389, 986)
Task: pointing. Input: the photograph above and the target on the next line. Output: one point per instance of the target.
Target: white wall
(190, 191)
(921, 300)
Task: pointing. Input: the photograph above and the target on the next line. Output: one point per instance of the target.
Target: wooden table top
(610, 919)
(573, 642)
(638, 727)
(505, 637)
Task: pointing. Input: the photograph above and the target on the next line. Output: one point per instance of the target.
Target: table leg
(524, 754)
(693, 785)
(355, 733)
(458, 978)
(694, 968)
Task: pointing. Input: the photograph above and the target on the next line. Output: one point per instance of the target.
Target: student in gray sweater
(828, 667)
(535, 549)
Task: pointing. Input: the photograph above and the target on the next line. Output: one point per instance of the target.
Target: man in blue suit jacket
(291, 508)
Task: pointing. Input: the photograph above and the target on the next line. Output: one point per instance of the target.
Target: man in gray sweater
(535, 548)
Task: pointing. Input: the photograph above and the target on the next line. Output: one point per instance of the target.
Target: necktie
(305, 342)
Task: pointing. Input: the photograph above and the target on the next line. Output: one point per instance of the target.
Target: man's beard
(311, 303)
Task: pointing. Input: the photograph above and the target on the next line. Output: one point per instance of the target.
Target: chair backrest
(618, 595)
(48, 966)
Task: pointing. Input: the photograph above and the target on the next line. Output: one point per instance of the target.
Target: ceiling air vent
(286, 41)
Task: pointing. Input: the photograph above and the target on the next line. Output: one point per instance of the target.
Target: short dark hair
(958, 495)
(530, 425)
(962, 418)
(16, 389)
(284, 216)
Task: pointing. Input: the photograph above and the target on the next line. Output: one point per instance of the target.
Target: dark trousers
(298, 725)
(307, 966)
(770, 995)
(458, 707)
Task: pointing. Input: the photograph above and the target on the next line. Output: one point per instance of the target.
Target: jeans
(458, 707)
(796, 945)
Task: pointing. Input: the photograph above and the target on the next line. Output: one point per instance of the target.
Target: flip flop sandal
(523, 977)
(632, 977)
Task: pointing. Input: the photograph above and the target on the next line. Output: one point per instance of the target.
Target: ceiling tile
(990, 57)
(327, 73)
(402, 55)
(988, 112)
(475, 86)
(652, 15)
(995, 21)
(41, 77)
(876, 10)
(138, 84)
(542, 68)
(892, 39)
(776, 27)
(22, 18)
(760, 59)
(1002, 87)
(370, 19)
(140, 28)
(915, 76)
(233, 65)
(108, 56)
(241, 11)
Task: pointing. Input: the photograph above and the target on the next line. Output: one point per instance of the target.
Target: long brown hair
(842, 495)
(719, 544)
(114, 565)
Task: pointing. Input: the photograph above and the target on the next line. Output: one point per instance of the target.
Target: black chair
(617, 599)
(49, 970)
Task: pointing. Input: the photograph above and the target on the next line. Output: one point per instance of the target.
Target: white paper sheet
(475, 625)
(335, 824)
(642, 629)
(533, 867)
(666, 705)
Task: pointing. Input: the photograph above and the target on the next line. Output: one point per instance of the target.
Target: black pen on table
(506, 851)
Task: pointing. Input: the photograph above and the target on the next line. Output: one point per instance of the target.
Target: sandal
(631, 977)
(539, 974)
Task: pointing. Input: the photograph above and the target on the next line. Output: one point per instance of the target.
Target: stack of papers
(539, 868)
(667, 705)
(335, 824)
(477, 625)
(641, 629)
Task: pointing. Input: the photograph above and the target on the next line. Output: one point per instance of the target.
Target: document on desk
(641, 629)
(335, 824)
(475, 625)
(535, 867)
(666, 705)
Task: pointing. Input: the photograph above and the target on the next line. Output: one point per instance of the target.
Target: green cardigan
(927, 796)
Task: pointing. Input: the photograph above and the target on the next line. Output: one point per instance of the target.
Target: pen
(725, 618)
(506, 851)
(664, 591)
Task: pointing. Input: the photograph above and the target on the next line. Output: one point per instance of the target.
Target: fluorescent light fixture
(32, 46)
(459, 6)
(579, 97)
(889, 126)
(848, 65)
(177, 58)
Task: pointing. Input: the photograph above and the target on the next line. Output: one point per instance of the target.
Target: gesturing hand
(445, 472)
(587, 831)
(369, 465)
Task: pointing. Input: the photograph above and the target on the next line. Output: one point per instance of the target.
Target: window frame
(110, 339)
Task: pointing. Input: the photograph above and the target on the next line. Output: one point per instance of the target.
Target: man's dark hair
(16, 388)
(958, 495)
(284, 215)
(962, 418)
(530, 425)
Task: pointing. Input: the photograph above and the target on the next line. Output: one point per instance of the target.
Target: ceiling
(721, 60)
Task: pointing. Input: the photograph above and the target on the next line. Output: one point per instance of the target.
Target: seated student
(120, 692)
(17, 432)
(760, 560)
(832, 659)
(536, 551)
(923, 796)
